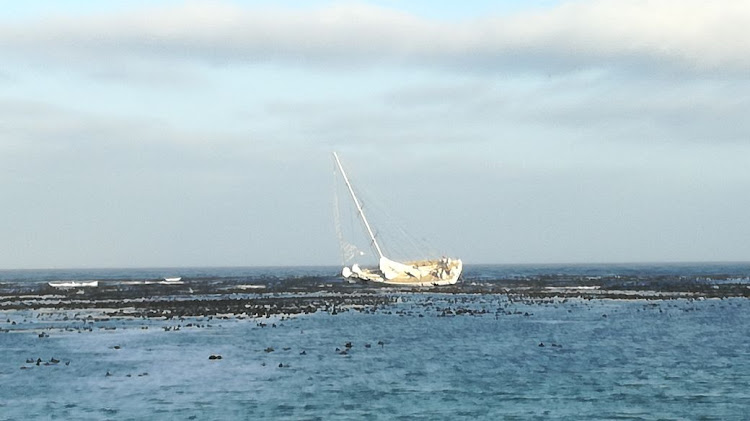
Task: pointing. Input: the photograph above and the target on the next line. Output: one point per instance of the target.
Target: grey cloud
(83, 189)
(596, 108)
(691, 35)
(42, 140)
(438, 95)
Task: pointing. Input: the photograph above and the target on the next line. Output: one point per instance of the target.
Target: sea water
(427, 356)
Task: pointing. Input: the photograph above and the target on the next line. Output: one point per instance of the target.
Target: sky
(162, 134)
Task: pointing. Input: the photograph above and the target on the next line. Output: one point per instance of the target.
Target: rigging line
(392, 235)
(347, 250)
(345, 223)
(359, 207)
(377, 242)
(337, 218)
(375, 246)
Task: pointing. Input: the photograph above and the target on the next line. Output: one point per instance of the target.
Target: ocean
(422, 355)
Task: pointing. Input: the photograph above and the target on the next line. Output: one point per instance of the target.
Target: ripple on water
(636, 363)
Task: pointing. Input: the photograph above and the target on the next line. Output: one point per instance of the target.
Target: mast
(359, 207)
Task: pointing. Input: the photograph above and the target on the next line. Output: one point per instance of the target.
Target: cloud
(41, 140)
(91, 189)
(690, 36)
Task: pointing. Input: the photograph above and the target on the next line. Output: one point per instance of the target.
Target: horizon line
(579, 263)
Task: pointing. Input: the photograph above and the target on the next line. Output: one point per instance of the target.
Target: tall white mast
(359, 207)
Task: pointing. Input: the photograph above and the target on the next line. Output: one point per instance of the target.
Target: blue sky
(199, 133)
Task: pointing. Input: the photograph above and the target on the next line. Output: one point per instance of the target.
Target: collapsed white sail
(444, 271)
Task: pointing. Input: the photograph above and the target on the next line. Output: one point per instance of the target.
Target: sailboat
(428, 272)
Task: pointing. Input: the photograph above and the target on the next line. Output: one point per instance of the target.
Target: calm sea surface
(497, 359)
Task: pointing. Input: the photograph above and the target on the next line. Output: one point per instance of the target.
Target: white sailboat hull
(420, 273)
